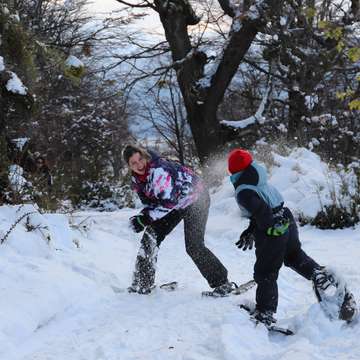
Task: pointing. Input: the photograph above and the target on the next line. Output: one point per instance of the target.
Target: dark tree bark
(297, 110)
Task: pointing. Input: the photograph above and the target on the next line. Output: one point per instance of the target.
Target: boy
(273, 229)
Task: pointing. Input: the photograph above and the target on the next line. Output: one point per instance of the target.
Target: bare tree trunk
(297, 109)
(207, 137)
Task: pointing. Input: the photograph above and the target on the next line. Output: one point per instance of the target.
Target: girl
(170, 192)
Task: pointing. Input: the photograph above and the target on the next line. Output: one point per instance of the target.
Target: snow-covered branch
(140, 4)
(257, 117)
(15, 85)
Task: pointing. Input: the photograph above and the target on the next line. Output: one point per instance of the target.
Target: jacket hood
(248, 175)
(262, 174)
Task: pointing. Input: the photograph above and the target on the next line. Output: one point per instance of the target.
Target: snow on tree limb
(141, 4)
(2, 66)
(257, 117)
(15, 85)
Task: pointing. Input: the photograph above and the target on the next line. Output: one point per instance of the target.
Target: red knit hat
(238, 160)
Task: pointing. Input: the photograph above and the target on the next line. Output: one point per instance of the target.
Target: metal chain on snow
(2, 240)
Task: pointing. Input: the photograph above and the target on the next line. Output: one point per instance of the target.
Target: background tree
(203, 91)
(294, 50)
(164, 109)
(311, 57)
(79, 120)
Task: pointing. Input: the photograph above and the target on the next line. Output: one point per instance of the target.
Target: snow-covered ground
(62, 299)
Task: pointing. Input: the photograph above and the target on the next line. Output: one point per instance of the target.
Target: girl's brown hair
(130, 150)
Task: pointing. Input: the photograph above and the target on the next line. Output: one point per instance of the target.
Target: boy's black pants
(195, 218)
(271, 252)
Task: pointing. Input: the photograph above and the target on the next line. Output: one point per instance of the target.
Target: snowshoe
(244, 287)
(348, 310)
(130, 290)
(266, 319)
(229, 288)
(334, 297)
(141, 291)
(222, 290)
(171, 286)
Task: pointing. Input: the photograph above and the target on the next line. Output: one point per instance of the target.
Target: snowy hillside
(61, 287)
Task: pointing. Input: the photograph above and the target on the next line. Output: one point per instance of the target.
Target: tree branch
(241, 37)
(233, 54)
(258, 117)
(227, 7)
(142, 4)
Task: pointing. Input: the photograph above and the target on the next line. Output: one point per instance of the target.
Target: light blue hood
(266, 191)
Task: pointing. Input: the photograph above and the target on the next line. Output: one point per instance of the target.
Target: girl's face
(137, 164)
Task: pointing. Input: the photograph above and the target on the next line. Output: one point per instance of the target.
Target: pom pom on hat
(238, 160)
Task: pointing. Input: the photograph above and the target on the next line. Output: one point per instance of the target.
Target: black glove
(139, 222)
(246, 240)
